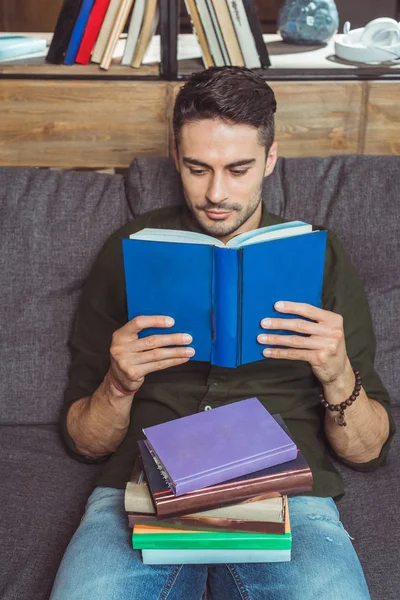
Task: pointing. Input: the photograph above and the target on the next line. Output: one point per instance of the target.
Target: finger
(159, 341)
(162, 364)
(290, 354)
(144, 322)
(304, 310)
(295, 341)
(299, 325)
(160, 354)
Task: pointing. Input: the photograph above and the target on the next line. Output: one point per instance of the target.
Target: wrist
(115, 388)
(342, 385)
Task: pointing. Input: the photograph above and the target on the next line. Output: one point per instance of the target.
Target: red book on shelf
(92, 31)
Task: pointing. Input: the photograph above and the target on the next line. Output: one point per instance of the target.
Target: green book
(146, 537)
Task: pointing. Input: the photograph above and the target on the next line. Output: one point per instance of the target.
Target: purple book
(213, 446)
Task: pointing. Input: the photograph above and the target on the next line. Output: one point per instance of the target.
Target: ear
(271, 159)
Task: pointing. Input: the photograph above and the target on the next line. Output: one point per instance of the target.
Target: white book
(209, 31)
(212, 556)
(217, 29)
(105, 31)
(134, 31)
(244, 34)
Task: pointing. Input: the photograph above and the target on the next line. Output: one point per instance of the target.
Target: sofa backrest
(355, 196)
(52, 224)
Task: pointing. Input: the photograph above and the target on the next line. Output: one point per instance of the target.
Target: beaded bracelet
(341, 407)
(117, 386)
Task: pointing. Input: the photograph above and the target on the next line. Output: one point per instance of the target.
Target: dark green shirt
(283, 386)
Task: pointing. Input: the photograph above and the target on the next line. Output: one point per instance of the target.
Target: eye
(238, 173)
(197, 172)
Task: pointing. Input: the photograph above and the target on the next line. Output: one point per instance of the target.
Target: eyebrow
(200, 163)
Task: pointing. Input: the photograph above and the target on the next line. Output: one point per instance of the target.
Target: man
(120, 383)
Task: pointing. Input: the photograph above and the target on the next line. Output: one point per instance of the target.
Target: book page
(272, 232)
(177, 236)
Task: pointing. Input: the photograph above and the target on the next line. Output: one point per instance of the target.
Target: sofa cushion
(355, 196)
(52, 224)
(43, 493)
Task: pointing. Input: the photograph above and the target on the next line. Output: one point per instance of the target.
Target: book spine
(208, 523)
(244, 34)
(92, 31)
(116, 31)
(286, 484)
(133, 32)
(63, 31)
(225, 310)
(198, 30)
(257, 32)
(210, 33)
(78, 32)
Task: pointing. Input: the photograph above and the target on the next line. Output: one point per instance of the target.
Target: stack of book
(19, 47)
(228, 31)
(212, 488)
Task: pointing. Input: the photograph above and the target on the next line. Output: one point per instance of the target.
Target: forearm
(98, 424)
(367, 421)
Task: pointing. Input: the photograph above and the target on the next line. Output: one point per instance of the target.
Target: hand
(133, 358)
(324, 347)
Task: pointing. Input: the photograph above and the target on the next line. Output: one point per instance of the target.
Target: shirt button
(207, 407)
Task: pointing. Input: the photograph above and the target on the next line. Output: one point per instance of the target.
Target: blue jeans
(100, 564)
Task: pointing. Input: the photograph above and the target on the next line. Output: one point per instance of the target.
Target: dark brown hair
(233, 94)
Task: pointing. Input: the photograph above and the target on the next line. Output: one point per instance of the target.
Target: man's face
(222, 167)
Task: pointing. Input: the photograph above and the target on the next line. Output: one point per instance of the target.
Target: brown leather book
(208, 523)
(293, 477)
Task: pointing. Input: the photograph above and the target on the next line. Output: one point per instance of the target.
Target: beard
(239, 215)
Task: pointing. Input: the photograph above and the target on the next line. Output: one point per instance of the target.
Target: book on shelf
(229, 34)
(17, 46)
(116, 31)
(293, 477)
(63, 30)
(149, 26)
(105, 31)
(256, 30)
(229, 288)
(245, 438)
(244, 34)
(168, 538)
(92, 31)
(199, 32)
(78, 32)
(135, 26)
(212, 32)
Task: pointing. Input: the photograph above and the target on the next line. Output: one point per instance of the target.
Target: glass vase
(305, 22)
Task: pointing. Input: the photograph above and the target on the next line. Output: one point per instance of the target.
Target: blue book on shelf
(220, 293)
(12, 46)
(78, 31)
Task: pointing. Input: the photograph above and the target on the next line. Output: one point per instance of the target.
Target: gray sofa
(52, 225)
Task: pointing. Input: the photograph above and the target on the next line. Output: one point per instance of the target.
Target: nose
(216, 192)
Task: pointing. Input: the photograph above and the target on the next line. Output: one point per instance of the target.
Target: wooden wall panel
(383, 118)
(318, 119)
(81, 124)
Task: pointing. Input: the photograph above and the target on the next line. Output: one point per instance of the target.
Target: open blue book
(220, 293)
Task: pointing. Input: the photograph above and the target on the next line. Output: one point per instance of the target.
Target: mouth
(217, 215)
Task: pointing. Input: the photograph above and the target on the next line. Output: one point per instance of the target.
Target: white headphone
(378, 41)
